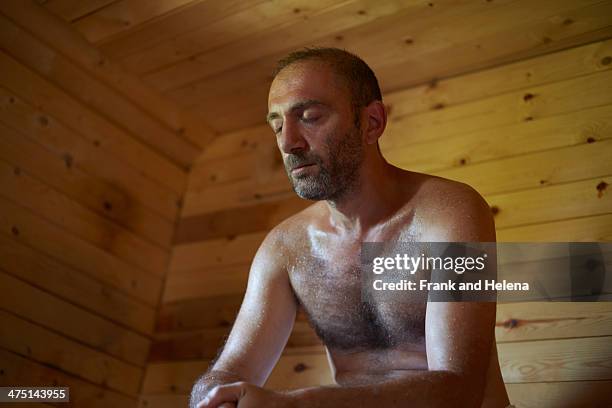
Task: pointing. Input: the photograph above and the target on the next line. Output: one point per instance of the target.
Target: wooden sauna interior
(139, 177)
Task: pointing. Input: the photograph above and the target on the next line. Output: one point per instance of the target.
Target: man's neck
(374, 199)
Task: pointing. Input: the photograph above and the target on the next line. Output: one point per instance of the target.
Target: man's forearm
(423, 389)
(207, 382)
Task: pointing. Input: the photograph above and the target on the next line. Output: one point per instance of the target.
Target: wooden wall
(533, 136)
(93, 166)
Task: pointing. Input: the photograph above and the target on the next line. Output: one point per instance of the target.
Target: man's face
(311, 114)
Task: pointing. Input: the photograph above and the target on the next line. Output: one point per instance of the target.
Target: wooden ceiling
(214, 57)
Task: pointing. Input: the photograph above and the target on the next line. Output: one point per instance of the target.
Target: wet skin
(382, 354)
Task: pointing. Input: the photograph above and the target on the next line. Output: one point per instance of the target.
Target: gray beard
(334, 179)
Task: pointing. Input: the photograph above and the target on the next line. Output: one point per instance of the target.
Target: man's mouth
(301, 167)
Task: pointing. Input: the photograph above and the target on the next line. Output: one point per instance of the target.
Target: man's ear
(376, 121)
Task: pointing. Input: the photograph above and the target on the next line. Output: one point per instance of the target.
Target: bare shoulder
(455, 211)
(289, 235)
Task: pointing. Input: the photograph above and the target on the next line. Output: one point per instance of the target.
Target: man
(327, 113)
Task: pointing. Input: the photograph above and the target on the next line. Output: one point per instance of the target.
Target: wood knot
(339, 38)
(567, 22)
(299, 367)
(68, 160)
(96, 143)
(601, 187)
(107, 205)
(408, 41)
(606, 60)
(212, 177)
(296, 10)
(257, 196)
(511, 323)
(528, 97)
(590, 139)
(43, 120)
(528, 118)
(430, 4)
(462, 161)
(15, 231)
(495, 209)
(438, 106)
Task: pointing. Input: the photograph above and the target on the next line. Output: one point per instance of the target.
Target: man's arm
(262, 326)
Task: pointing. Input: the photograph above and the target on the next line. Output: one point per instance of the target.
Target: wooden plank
(300, 371)
(73, 79)
(102, 133)
(595, 228)
(205, 344)
(246, 86)
(536, 71)
(202, 53)
(230, 144)
(18, 370)
(219, 33)
(43, 236)
(60, 210)
(216, 252)
(568, 129)
(175, 377)
(188, 315)
(471, 43)
(208, 282)
(566, 394)
(336, 25)
(122, 15)
(62, 141)
(71, 10)
(67, 41)
(578, 199)
(491, 113)
(74, 286)
(62, 173)
(244, 193)
(550, 167)
(183, 20)
(71, 321)
(232, 222)
(45, 347)
(552, 320)
(577, 359)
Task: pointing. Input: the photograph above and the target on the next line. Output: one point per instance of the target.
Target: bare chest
(330, 290)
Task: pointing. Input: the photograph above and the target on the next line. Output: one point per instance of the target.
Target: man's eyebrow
(297, 106)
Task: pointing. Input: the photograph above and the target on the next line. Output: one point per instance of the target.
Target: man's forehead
(304, 80)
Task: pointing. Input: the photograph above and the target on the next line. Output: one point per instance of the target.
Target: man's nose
(291, 139)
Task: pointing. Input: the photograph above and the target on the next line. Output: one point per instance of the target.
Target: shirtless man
(327, 113)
